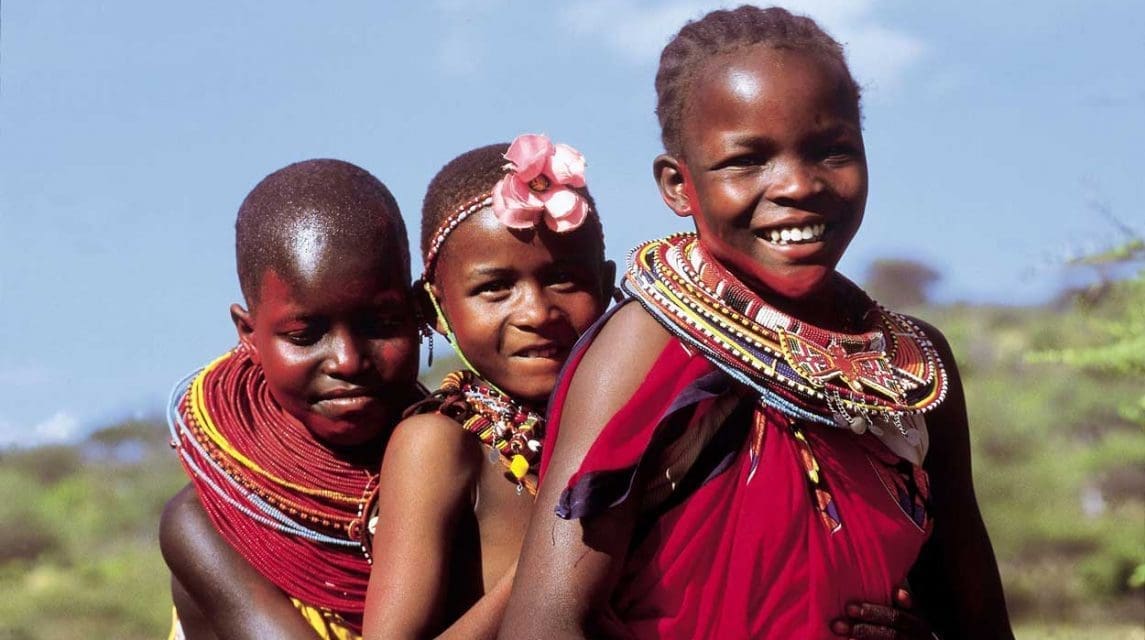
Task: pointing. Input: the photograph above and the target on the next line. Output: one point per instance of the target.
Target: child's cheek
(398, 358)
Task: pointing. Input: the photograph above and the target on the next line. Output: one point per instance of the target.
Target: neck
(834, 305)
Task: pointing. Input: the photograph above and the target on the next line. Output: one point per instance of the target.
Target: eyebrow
(748, 140)
(488, 272)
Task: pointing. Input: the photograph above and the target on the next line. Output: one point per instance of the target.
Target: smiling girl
(514, 273)
(755, 445)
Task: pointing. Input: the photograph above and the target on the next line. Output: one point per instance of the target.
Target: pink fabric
(740, 559)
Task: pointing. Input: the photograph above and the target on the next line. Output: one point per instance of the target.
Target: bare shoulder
(186, 532)
(615, 365)
(428, 477)
(630, 325)
(620, 357)
(194, 550)
(431, 444)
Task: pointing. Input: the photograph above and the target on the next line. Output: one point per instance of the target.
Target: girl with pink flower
(514, 274)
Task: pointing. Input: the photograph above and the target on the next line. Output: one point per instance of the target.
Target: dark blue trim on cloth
(598, 491)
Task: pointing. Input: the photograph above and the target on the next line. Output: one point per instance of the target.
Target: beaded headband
(449, 224)
(538, 186)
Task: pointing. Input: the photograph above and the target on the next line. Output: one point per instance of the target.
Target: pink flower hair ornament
(540, 184)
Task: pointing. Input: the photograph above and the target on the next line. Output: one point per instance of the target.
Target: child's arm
(220, 593)
(956, 576)
(568, 568)
(428, 476)
(484, 618)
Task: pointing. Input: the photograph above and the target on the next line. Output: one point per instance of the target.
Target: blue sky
(130, 132)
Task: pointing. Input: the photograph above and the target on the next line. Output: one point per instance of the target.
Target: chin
(534, 395)
(343, 433)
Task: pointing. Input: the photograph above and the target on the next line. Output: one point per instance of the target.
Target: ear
(432, 296)
(607, 280)
(671, 178)
(244, 325)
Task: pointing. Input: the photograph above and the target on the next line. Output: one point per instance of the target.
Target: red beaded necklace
(291, 506)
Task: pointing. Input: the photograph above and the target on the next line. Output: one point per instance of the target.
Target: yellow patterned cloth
(326, 625)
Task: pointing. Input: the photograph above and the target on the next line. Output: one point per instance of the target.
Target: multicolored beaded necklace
(864, 380)
(512, 433)
(292, 507)
(802, 373)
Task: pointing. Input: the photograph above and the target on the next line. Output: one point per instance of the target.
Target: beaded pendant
(511, 432)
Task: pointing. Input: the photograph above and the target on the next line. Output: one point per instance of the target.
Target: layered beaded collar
(871, 379)
(291, 506)
(512, 433)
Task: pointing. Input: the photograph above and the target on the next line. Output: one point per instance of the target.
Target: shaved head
(313, 216)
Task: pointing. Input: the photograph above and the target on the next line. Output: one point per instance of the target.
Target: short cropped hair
(351, 209)
(472, 175)
(723, 31)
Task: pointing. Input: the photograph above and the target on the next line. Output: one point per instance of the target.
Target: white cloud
(638, 30)
(60, 427)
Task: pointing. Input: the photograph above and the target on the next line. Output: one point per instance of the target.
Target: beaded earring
(424, 324)
(451, 339)
(427, 335)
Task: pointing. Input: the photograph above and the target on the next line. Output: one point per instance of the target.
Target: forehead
(332, 284)
(765, 86)
(482, 241)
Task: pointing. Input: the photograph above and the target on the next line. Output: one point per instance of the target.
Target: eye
(743, 160)
(304, 336)
(838, 151)
(382, 324)
(568, 278)
(492, 289)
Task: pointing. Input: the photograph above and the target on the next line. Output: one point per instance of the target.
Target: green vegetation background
(1057, 407)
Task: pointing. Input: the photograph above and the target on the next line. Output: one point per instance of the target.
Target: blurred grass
(78, 551)
(1059, 471)
(1074, 632)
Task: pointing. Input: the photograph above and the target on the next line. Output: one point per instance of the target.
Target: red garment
(726, 556)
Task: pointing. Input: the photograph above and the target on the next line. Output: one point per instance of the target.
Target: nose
(533, 309)
(346, 355)
(793, 179)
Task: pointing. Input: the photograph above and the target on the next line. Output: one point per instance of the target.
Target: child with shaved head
(282, 435)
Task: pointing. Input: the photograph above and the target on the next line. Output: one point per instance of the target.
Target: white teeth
(811, 232)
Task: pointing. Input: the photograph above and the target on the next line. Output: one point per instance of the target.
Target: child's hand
(866, 621)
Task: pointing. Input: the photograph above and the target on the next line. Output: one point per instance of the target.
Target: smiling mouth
(795, 234)
(548, 352)
(347, 400)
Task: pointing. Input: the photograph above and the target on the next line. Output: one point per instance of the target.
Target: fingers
(877, 614)
(866, 621)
